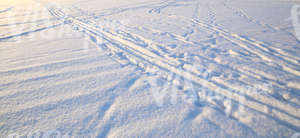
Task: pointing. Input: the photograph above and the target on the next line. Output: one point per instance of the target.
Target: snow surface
(149, 68)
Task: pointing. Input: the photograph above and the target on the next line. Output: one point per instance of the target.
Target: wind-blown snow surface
(149, 68)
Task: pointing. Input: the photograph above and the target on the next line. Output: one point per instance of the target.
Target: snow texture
(150, 68)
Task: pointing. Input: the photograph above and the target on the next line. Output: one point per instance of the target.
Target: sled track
(149, 59)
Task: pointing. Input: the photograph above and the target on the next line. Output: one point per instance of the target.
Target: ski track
(6, 10)
(147, 60)
(243, 14)
(245, 71)
(244, 41)
(257, 47)
(30, 31)
(19, 15)
(132, 49)
(29, 22)
(165, 4)
(107, 12)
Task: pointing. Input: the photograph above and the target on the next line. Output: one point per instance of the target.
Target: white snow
(149, 68)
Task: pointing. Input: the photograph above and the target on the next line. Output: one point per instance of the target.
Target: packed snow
(150, 68)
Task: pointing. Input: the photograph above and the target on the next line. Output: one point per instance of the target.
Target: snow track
(29, 31)
(104, 70)
(260, 49)
(148, 59)
(6, 10)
